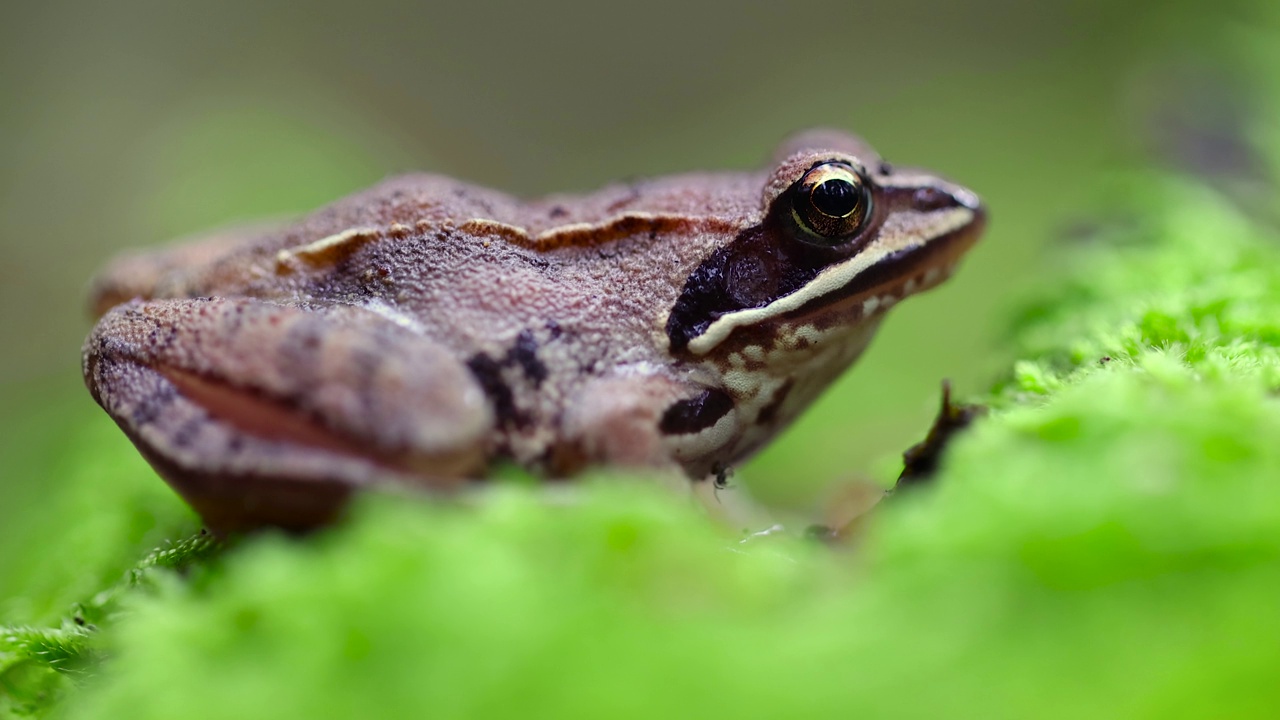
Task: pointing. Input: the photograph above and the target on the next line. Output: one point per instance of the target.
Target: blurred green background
(133, 122)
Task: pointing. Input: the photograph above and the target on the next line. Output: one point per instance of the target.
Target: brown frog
(426, 329)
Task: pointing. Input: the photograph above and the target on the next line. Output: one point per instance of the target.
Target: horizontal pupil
(835, 198)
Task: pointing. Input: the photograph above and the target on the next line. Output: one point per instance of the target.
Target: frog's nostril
(927, 199)
(941, 197)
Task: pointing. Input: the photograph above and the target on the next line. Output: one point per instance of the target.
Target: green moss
(82, 556)
(1114, 550)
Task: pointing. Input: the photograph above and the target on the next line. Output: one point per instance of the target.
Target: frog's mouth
(915, 254)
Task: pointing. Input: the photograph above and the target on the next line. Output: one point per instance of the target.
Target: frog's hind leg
(262, 414)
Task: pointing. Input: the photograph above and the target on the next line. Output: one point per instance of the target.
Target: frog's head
(786, 305)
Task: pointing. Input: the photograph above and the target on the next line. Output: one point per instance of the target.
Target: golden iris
(831, 201)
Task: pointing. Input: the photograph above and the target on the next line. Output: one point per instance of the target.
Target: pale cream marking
(902, 180)
(754, 352)
(480, 226)
(810, 372)
(785, 337)
(741, 382)
(809, 334)
(833, 278)
(705, 441)
(565, 235)
(326, 244)
(752, 386)
(786, 354)
(562, 236)
(640, 368)
(388, 312)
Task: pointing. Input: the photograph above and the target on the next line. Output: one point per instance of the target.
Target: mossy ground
(1105, 543)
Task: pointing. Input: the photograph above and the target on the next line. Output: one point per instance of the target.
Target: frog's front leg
(656, 422)
(263, 414)
(645, 421)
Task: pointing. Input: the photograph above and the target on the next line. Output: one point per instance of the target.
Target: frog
(427, 332)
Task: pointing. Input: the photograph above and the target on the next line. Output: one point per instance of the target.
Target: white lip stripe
(829, 280)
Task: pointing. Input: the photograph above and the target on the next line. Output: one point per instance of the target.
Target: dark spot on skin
(525, 354)
(187, 432)
(554, 329)
(557, 211)
(770, 412)
(102, 358)
(695, 414)
(886, 168)
(150, 407)
(488, 372)
(168, 341)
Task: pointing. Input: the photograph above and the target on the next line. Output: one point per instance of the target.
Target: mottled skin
(425, 329)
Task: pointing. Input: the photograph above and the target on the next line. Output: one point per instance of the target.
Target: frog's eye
(831, 202)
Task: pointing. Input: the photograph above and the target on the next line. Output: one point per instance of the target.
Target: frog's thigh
(264, 414)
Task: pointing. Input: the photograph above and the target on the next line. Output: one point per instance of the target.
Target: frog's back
(221, 262)
(241, 261)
